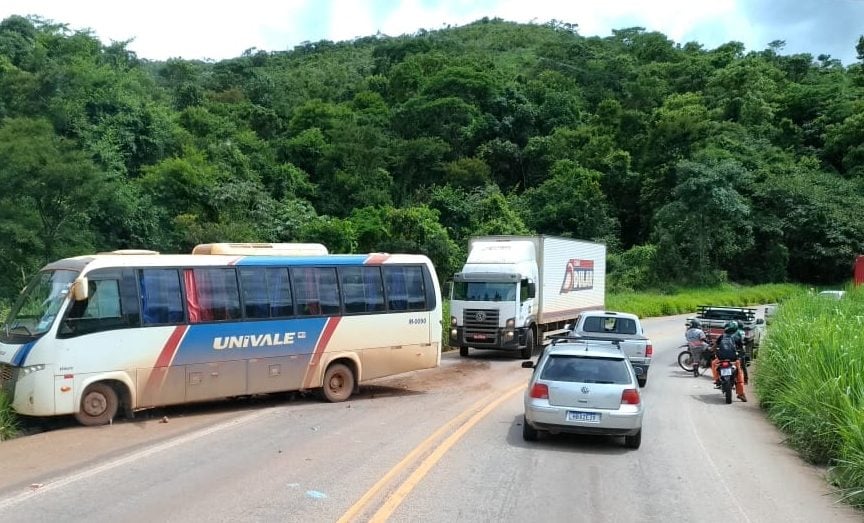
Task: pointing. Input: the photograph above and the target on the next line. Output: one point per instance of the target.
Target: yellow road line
(409, 484)
(424, 446)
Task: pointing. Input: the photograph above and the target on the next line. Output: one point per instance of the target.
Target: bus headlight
(30, 369)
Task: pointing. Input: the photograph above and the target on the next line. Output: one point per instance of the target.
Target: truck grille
(7, 379)
(480, 324)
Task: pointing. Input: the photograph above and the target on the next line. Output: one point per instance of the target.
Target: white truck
(515, 291)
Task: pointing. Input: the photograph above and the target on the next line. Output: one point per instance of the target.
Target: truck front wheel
(528, 350)
(463, 352)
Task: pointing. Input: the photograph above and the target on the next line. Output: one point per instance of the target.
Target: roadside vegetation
(681, 301)
(810, 380)
(8, 420)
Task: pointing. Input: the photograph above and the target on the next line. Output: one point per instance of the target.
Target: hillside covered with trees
(693, 165)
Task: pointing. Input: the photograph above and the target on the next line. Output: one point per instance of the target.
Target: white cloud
(217, 29)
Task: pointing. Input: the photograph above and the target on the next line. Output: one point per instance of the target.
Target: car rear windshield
(609, 324)
(586, 369)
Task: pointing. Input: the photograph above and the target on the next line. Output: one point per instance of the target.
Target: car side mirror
(527, 364)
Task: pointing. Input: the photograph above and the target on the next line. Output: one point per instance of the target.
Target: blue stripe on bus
(21, 354)
(279, 261)
(259, 339)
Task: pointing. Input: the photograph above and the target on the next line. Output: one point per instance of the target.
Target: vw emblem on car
(585, 390)
(481, 316)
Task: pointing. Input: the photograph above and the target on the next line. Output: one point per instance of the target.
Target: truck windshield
(38, 305)
(484, 291)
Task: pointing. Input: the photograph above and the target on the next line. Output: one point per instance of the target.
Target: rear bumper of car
(625, 421)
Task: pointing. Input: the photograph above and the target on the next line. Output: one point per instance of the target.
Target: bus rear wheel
(99, 405)
(338, 383)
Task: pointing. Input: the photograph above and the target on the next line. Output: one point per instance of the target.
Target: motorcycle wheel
(685, 360)
(727, 390)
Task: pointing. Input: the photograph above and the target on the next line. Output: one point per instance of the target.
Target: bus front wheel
(338, 383)
(98, 405)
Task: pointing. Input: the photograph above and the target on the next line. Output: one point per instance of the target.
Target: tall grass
(811, 382)
(687, 300)
(8, 421)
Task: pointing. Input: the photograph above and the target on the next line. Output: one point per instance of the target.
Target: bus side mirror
(80, 289)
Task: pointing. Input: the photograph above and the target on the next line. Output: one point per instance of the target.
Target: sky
(215, 29)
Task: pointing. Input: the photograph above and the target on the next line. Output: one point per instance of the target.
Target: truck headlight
(30, 369)
(453, 321)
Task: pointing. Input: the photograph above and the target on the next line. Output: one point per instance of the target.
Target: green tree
(571, 204)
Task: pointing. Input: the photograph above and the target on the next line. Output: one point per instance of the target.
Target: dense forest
(693, 165)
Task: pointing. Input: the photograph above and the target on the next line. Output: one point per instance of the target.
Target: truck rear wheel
(528, 350)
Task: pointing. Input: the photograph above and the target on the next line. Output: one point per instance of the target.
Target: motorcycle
(685, 360)
(728, 371)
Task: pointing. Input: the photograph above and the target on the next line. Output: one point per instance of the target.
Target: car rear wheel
(529, 433)
(634, 441)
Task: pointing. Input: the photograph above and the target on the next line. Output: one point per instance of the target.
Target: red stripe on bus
(326, 334)
(170, 349)
(376, 259)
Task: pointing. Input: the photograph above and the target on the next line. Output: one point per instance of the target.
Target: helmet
(731, 327)
(694, 324)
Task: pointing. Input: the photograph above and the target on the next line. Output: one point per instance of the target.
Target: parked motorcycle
(686, 360)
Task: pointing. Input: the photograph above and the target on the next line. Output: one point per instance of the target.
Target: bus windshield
(484, 291)
(38, 305)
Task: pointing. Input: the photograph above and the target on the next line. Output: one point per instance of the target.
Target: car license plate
(726, 371)
(588, 417)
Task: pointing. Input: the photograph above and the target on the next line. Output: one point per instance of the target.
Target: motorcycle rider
(727, 347)
(696, 342)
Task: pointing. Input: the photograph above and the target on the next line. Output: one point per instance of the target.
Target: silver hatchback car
(583, 387)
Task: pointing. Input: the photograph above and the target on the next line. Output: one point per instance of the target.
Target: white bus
(136, 329)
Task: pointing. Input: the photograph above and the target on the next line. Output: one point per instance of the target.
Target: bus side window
(212, 294)
(405, 288)
(362, 289)
(316, 291)
(112, 304)
(161, 299)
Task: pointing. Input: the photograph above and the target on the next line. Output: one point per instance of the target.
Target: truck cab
(493, 299)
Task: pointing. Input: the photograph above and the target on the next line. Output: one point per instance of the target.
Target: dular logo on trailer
(578, 276)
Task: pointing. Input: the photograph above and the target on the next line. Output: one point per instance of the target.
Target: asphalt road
(437, 445)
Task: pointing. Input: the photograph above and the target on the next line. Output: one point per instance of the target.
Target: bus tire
(338, 383)
(99, 405)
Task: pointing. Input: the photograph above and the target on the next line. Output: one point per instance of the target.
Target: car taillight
(649, 350)
(630, 397)
(540, 391)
